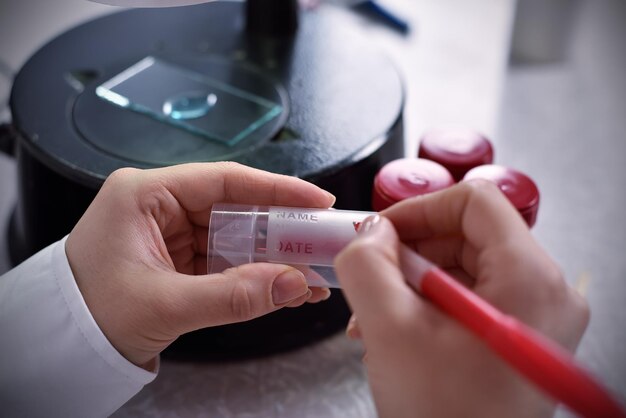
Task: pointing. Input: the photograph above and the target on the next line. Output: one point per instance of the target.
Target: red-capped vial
(458, 150)
(520, 189)
(408, 177)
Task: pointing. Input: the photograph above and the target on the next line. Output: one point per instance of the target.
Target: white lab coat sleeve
(54, 359)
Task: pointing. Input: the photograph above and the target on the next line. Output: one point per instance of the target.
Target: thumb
(238, 294)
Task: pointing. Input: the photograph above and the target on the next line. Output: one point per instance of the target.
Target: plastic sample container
(307, 239)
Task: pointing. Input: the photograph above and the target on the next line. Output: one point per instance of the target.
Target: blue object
(377, 10)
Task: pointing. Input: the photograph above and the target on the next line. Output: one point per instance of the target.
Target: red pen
(539, 359)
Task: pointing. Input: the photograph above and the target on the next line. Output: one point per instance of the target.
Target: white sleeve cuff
(55, 359)
(89, 329)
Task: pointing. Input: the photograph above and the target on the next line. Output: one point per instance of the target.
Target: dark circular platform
(343, 95)
(343, 122)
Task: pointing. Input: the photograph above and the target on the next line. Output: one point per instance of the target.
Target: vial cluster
(448, 156)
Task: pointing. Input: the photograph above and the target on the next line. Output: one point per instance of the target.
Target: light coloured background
(563, 122)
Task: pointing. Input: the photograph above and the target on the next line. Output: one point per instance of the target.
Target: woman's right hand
(419, 361)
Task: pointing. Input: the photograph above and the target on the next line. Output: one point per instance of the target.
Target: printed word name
(304, 217)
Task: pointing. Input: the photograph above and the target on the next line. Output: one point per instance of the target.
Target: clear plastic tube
(307, 239)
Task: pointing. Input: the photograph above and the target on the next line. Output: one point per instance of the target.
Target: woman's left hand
(138, 254)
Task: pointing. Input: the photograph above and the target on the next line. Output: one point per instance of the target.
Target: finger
(300, 301)
(453, 254)
(369, 273)
(352, 329)
(238, 294)
(461, 275)
(448, 252)
(319, 294)
(197, 186)
(315, 295)
(476, 210)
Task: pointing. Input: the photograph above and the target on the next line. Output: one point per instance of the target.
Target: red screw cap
(516, 186)
(458, 150)
(408, 177)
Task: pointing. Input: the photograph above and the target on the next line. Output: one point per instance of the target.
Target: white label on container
(310, 236)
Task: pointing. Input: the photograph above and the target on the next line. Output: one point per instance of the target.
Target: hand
(421, 362)
(139, 254)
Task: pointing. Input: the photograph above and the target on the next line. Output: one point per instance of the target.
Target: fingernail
(369, 225)
(288, 286)
(332, 197)
(326, 294)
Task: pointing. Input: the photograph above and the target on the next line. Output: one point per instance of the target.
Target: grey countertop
(563, 123)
